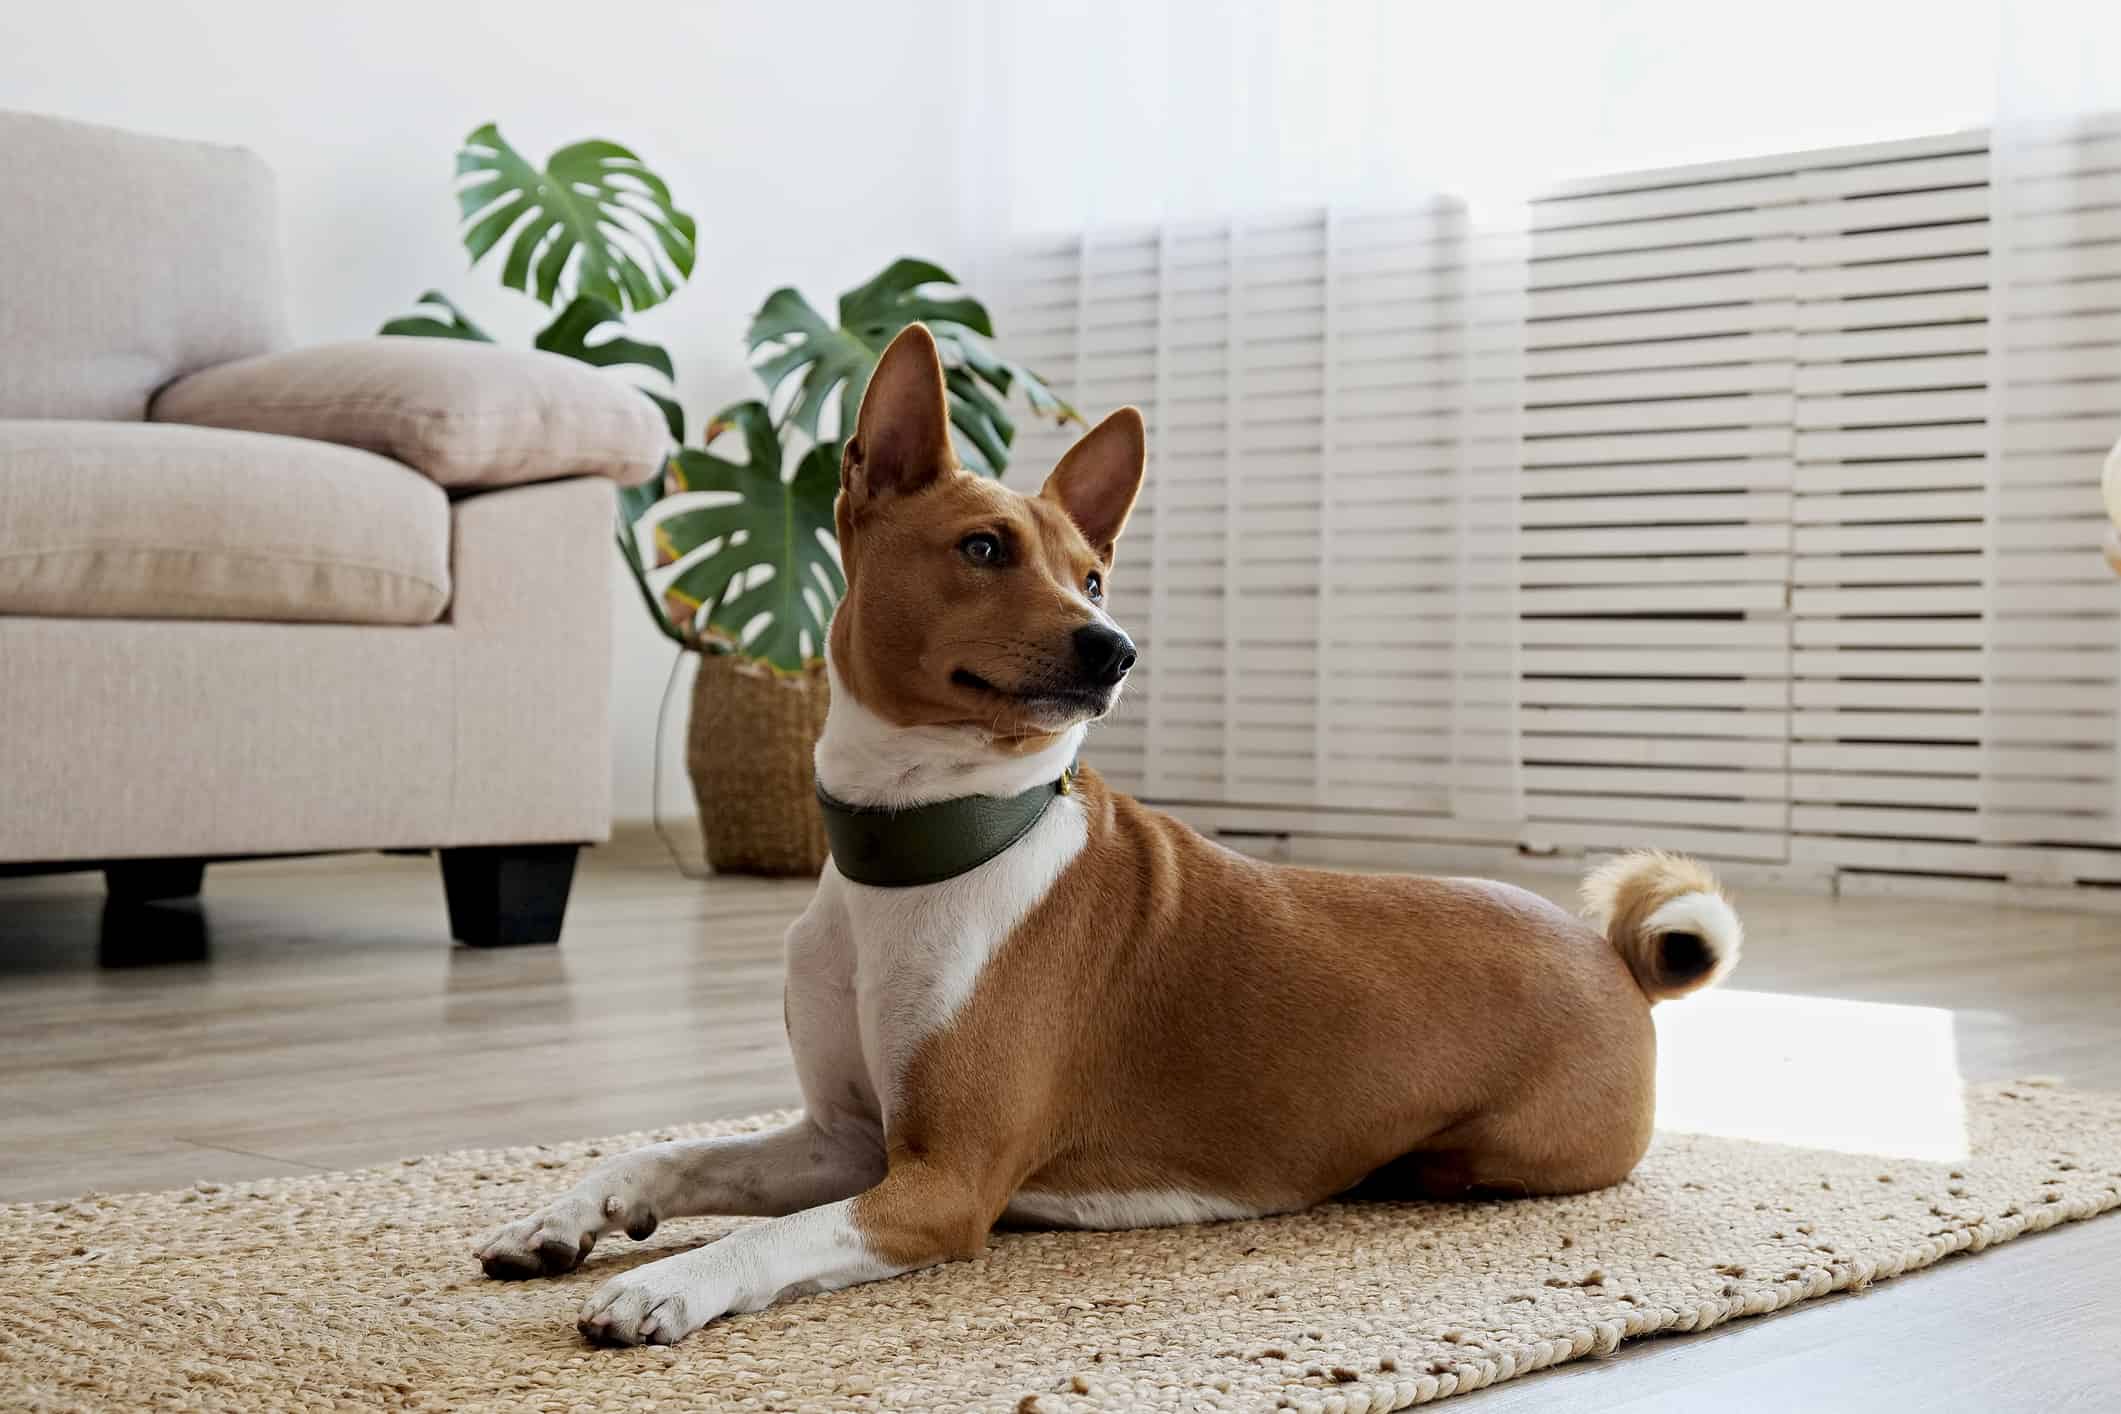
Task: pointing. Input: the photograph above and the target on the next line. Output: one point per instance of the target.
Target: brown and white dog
(1114, 1022)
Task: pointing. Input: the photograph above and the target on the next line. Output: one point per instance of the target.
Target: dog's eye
(982, 548)
(1094, 586)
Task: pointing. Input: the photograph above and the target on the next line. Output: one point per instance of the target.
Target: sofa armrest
(466, 415)
(530, 616)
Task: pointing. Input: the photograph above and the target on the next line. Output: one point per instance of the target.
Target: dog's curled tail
(1668, 919)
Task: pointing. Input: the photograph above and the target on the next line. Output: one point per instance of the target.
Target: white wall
(813, 142)
(1208, 107)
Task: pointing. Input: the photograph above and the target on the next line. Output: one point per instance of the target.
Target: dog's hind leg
(769, 1174)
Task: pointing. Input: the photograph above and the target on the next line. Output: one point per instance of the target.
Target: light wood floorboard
(331, 1026)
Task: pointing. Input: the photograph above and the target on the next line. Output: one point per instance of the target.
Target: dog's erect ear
(901, 438)
(1097, 481)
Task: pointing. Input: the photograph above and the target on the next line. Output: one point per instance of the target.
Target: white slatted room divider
(1319, 400)
(1891, 449)
(2052, 769)
(1755, 517)
(1956, 634)
(1657, 513)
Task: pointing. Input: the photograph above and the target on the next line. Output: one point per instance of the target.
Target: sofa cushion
(134, 520)
(464, 414)
(130, 260)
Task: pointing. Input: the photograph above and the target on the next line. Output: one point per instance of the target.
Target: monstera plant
(731, 544)
(753, 538)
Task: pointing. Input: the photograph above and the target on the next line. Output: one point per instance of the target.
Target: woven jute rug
(359, 1290)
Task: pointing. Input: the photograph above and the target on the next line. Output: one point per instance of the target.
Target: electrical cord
(655, 788)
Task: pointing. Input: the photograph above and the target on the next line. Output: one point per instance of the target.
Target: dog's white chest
(919, 952)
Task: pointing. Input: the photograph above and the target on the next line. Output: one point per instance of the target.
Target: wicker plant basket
(748, 750)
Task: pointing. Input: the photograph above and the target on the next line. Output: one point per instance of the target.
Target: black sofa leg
(501, 895)
(148, 914)
(150, 880)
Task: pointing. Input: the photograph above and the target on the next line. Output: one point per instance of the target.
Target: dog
(1068, 1009)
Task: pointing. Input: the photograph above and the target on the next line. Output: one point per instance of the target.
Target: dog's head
(969, 604)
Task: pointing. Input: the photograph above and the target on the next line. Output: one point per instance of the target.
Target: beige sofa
(259, 602)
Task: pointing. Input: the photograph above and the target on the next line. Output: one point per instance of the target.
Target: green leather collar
(926, 844)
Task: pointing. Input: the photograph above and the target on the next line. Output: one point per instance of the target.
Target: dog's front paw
(556, 1238)
(659, 1304)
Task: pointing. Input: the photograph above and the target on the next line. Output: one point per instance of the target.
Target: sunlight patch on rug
(1817, 1072)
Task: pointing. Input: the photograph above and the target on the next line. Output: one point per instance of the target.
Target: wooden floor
(329, 1024)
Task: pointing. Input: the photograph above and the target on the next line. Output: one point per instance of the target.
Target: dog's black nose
(1104, 652)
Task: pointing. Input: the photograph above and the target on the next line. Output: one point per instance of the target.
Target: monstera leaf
(594, 222)
(825, 357)
(569, 334)
(831, 363)
(442, 321)
(764, 550)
